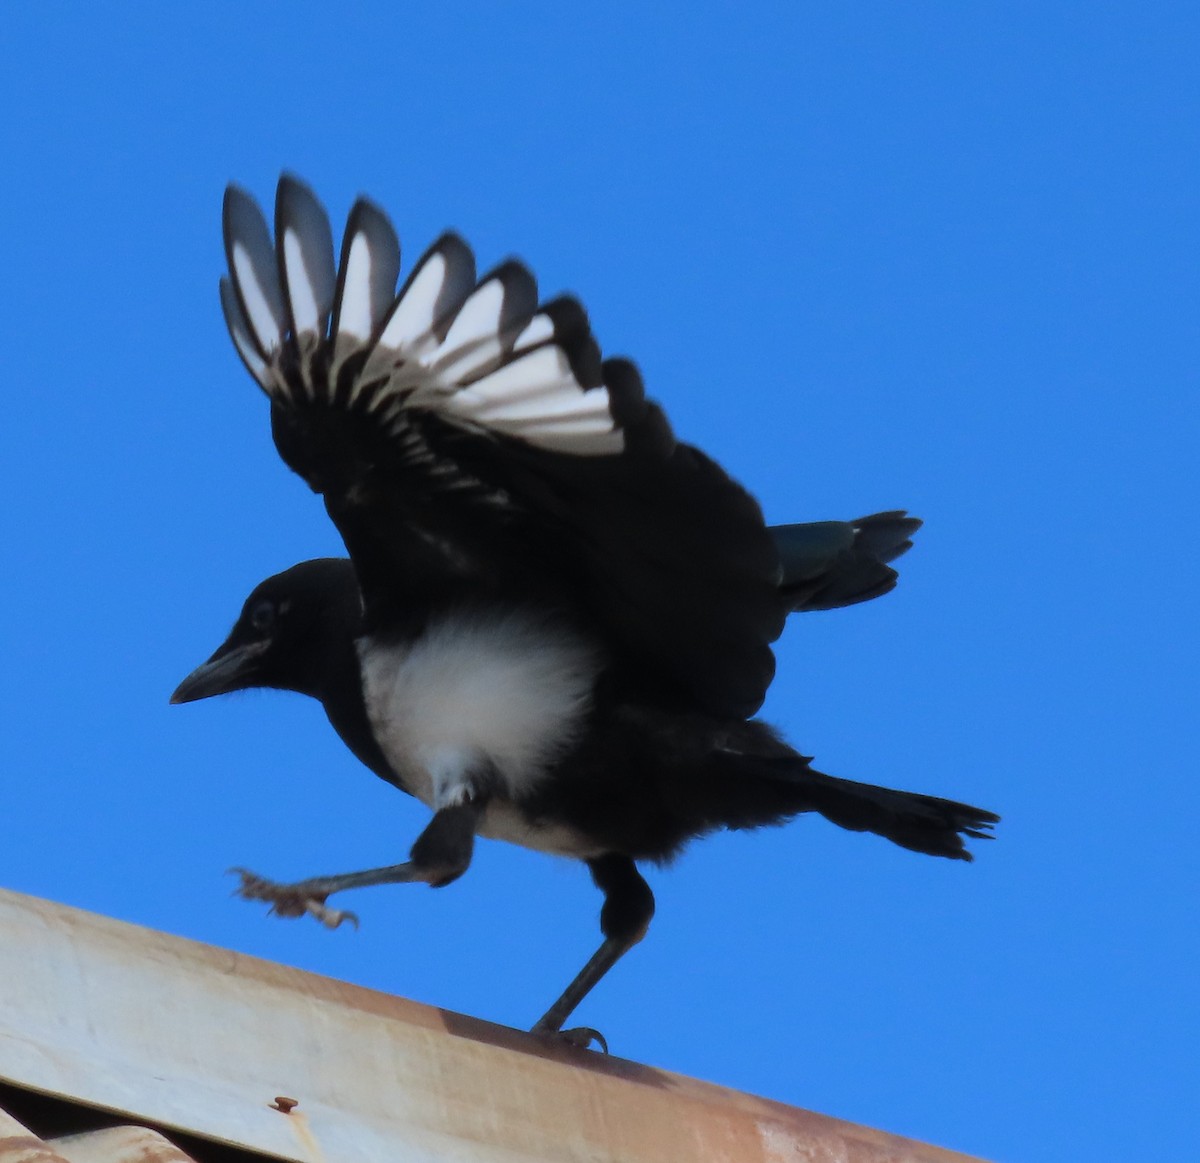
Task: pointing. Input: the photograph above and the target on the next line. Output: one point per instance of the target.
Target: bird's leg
(624, 919)
(442, 853)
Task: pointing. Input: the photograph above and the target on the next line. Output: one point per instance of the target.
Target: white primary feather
(478, 318)
(259, 293)
(536, 385)
(354, 309)
(306, 261)
(252, 266)
(239, 331)
(413, 317)
(537, 398)
(367, 287)
(539, 329)
(534, 397)
(306, 311)
(475, 342)
(489, 371)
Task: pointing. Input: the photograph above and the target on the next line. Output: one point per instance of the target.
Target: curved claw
(330, 918)
(290, 900)
(581, 1037)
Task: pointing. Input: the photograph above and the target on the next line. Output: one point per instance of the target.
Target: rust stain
(299, 1125)
(27, 1149)
(305, 1137)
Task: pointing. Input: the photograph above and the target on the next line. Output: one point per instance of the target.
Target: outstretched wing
(463, 435)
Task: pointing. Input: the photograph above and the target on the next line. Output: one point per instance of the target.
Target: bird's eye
(262, 617)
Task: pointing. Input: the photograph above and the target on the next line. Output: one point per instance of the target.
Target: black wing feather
(366, 281)
(250, 256)
(460, 433)
(304, 253)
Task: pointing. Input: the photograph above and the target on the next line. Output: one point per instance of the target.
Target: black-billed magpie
(555, 623)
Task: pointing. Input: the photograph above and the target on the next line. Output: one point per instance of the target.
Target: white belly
(505, 821)
(480, 689)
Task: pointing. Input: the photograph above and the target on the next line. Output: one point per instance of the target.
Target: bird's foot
(581, 1037)
(291, 900)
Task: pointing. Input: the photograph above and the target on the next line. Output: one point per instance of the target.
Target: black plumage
(556, 620)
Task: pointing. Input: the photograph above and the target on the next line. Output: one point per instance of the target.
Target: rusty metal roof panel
(119, 1145)
(204, 1040)
(19, 1145)
(111, 1145)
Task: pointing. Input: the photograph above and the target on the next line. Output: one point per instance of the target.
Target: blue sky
(869, 255)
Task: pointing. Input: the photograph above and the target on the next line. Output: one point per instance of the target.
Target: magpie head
(285, 633)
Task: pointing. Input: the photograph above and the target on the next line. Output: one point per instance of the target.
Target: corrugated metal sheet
(120, 1145)
(113, 1145)
(19, 1145)
(203, 1040)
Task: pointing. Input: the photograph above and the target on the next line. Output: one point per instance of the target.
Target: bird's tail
(765, 790)
(922, 823)
(826, 564)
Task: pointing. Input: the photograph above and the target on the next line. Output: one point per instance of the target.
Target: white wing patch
(540, 329)
(413, 317)
(264, 311)
(254, 274)
(480, 356)
(478, 319)
(307, 270)
(306, 312)
(245, 343)
(536, 398)
(354, 310)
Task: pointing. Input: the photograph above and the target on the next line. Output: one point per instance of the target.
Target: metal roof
(104, 1025)
(114, 1145)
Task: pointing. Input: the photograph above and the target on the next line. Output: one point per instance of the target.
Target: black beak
(231, 668)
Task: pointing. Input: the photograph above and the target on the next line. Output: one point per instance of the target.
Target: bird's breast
(505, 691)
